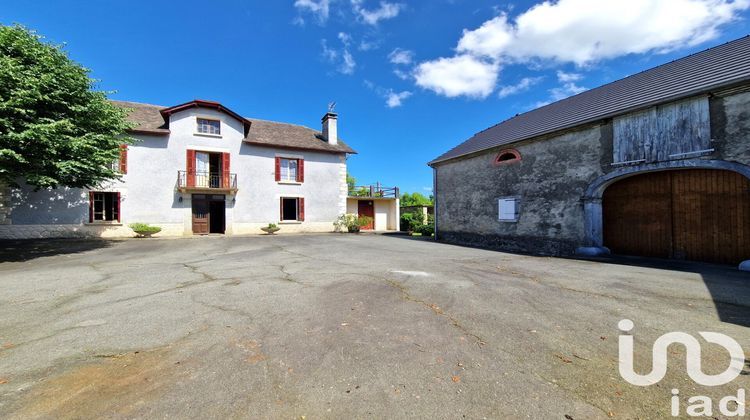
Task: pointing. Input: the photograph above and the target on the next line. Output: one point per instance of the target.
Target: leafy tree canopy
(415, 199)
(55, 129)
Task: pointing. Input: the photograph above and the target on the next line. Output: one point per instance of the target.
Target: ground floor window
(292, 209)
(104, 206)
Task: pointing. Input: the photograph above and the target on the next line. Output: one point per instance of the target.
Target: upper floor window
(290, 170)
(207, 126)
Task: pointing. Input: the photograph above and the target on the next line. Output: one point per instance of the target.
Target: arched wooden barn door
(692, 214)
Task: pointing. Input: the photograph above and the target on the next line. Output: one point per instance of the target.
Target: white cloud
(567, 89)
(386, 10)
(462, 75)
(348, 65)
(401, 57)
(345, 39)
(394, 100)
(403, 75)
(582, 32)
(489, 40)
(343, 59)
(368, 44)
(320, 9)
(328, 53)
(564, 77)
(523, 85)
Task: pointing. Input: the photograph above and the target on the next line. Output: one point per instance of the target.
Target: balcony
(206, 182)
(373, 191)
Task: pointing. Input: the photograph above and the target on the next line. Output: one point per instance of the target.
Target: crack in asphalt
(287, 275)
(436, 310)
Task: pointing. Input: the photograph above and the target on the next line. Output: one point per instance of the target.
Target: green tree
(415, 199)
(55, 128)
(350, 181)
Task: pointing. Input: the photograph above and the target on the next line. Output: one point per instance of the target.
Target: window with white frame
(209, 126)
(289, 169)
(507, 209)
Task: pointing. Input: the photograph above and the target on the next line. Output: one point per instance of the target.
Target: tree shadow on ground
(28, 249)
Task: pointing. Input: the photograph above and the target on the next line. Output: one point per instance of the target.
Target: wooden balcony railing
(374, 191)
(188, 180)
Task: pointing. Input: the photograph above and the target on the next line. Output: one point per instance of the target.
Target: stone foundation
(80, 231)
(9, 231)
(519, 244)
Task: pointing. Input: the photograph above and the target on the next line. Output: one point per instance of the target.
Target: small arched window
(507, 156)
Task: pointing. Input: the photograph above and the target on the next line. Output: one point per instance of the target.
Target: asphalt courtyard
(345, 326)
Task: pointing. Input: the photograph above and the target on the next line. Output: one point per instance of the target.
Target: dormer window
(208, 126)
(507, 156)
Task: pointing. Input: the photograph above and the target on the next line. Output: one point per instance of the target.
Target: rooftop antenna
(332, 107)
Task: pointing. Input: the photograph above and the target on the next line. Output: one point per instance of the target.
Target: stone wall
(551, 180)
(548, 180)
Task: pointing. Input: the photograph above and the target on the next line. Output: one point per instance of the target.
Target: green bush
(363, 221)
(412, 221)
(426, 230)
(144, 228)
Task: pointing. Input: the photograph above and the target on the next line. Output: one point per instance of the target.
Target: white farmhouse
(200, 168)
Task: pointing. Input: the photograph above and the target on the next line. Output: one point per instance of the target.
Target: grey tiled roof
(719, 67)
(147, 117)
(275, 134)
(149, 120)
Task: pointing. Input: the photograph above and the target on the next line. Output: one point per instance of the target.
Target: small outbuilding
(653, 165)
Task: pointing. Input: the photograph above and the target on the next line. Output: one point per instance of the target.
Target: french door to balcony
(202, 169)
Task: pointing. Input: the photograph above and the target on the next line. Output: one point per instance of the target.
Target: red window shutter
(278, 169)
(301, 210)
(300, 170)
(117, 206)
(225, 177)
(91, 207)
(124, 158)
(190, 168)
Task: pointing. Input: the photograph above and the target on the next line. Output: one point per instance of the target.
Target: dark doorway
(214, 165)
(367, 208)
(209, 214)
(692, 214)
(289, 209)
(218, 216)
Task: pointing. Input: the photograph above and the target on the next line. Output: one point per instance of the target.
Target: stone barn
(652, 165)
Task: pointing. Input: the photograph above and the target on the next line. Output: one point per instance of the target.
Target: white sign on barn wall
(507, 209)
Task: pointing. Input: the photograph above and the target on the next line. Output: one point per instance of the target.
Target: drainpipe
(435, 203)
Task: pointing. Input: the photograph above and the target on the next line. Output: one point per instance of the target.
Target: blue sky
(411, 78)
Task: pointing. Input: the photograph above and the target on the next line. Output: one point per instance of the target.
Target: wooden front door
(367, 208)
(693, 214)
(201, 214)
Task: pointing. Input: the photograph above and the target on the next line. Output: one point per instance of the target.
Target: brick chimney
(330, 129)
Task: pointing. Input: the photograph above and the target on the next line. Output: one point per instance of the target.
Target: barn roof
(718, 67)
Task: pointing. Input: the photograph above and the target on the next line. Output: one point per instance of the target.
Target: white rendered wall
(149, 195)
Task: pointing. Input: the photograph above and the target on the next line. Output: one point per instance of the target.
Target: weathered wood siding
(663, 133)
(694, 214)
